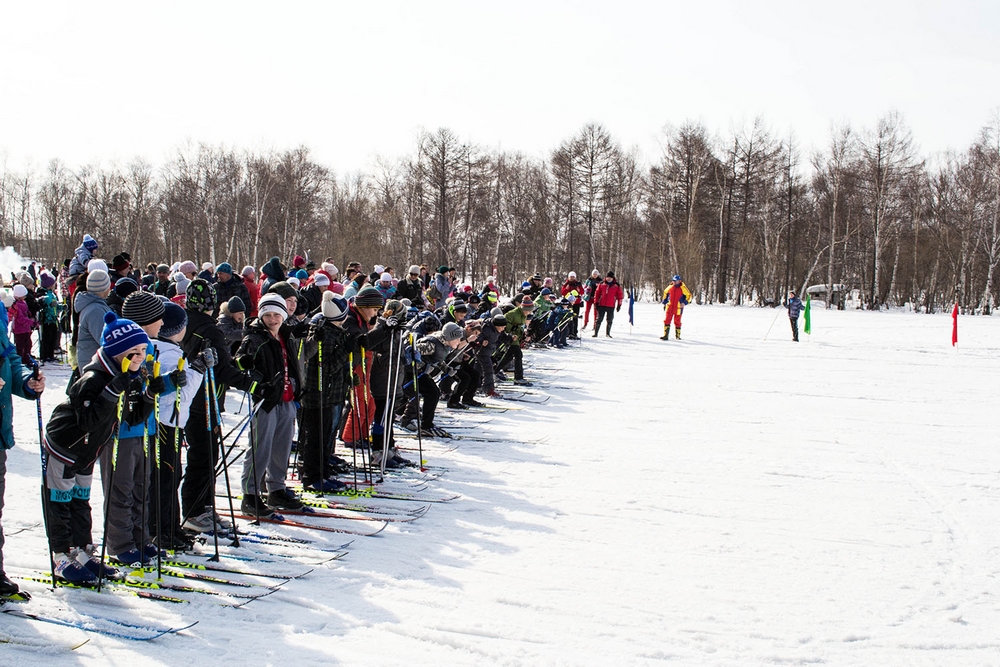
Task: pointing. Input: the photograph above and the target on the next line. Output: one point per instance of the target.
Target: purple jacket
(21, 321)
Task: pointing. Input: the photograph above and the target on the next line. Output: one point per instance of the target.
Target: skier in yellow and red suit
(675, 298)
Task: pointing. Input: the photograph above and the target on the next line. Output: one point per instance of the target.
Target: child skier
(175, 407)
(125, 469)
(107, 392)
(434, 351)
(324, 357)
(268, 350)
(22, 323)
(48, 318)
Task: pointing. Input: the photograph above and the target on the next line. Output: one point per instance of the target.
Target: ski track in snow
(720, 500)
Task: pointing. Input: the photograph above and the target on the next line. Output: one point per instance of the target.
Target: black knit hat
(124, 287)
(283, 289)
(499, 321)
(274, 269)
(174, 320)
(369, 297)
(200, 296)
(236, 305)
(143, 308)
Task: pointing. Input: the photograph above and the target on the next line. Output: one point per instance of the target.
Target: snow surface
(722, 500)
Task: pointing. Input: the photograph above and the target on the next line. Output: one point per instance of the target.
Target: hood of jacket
(84, 299)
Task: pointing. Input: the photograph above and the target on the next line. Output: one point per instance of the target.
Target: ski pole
(211, 445)
(772, 324)
(352, 396)
(385, 412)
(394, 388)
(416, 391)
(45, 459)
(145, 465)
(177, 459)
(254, 434)
(245, 422)
(225, 467)
(366, 424)
(126, 362)
(321, 434)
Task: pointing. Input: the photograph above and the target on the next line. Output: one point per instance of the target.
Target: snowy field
(722, 500)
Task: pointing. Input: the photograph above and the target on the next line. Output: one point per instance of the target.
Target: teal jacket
(15, 376)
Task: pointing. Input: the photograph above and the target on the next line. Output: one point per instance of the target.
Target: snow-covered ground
(722, 500)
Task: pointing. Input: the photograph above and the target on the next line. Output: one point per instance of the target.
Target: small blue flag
(631, 304)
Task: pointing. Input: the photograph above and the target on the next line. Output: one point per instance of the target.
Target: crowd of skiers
(319, 354)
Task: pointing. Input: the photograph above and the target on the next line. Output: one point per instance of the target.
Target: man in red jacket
(607, 300)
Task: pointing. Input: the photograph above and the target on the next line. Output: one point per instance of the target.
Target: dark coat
(335, 369)
(203, 332)
(412, 290)
(224, 291)
(383, 358)
(312, 298)
(80, 426)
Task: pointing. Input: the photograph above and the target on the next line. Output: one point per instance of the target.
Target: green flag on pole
(808, 327)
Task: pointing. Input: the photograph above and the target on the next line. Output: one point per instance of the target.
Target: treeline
(743, 218)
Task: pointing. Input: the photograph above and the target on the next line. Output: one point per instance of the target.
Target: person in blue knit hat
(108, 391)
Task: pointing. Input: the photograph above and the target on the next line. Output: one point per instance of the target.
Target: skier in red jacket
(607, 299)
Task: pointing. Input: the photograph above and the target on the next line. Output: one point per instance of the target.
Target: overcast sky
(97, 81)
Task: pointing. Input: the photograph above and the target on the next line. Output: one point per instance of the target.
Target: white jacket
(169, 355)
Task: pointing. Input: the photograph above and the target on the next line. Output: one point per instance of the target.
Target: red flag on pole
(954, 325)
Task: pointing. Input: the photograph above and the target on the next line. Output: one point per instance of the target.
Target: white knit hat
(321, 280)
(97, 265)
(333, 308)
(272, 303)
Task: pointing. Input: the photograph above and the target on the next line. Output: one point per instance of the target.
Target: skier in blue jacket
(795, 308)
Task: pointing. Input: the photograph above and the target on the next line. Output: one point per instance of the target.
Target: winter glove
(619, 308)
(206, 359)
(119, 383)
(257, 386)
(355, 379)
(244, 362)
(178, 377)
(273, 392)
(392, 322)
(156, 385)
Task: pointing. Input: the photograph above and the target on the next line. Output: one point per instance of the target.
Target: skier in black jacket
(322, 405)
(202, 430)
(107, 392)
(276, 387)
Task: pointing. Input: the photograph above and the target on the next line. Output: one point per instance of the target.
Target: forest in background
(743, 217)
